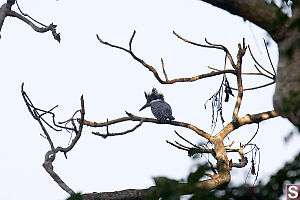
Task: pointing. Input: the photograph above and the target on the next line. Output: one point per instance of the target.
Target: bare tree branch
(26, 15)
(211, 45)
(51, 27)
(136, 118)
(5, 11)
(120, 133)
(219, 151)
(273, 75)
(130, 194)
(238, 67)
(51, 154)
(261, 86)
(163, 67)
(33, 111)
(155, 73)
(49, 168)
(247, 119)
(274, 72)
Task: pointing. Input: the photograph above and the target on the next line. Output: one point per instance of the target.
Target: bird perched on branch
(160, 109)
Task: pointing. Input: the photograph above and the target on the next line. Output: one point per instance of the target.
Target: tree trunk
(287, 93)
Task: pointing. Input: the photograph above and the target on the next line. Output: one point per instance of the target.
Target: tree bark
(287, 93)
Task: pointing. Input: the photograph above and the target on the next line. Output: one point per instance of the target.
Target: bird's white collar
(156, 100)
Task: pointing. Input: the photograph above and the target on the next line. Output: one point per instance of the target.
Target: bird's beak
(145, 106)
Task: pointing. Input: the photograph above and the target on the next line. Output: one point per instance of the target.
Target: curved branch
(120, 133)
(273, 75)
(3, 13)
(49, 168)
(34, 113)
(247, 119)
(260, 86)
(51, 154)
(211, 45)
(51, 27)
(155, 73)
(132, 117)
(266, 15)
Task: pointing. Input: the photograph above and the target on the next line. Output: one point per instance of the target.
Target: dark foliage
(272, 190)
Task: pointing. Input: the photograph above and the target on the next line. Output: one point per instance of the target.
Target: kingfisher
(160, 109)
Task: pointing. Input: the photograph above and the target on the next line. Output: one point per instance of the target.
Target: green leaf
(168, 188)
(76, 196)
(199, 173)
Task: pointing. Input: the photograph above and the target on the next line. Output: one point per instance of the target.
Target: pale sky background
(112, 83)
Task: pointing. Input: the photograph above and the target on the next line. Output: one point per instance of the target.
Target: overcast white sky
(112, 83)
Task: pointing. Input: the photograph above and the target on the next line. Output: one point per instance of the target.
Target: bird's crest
(154, 95)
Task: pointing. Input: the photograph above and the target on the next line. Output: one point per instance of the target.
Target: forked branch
(210, 45)
(155, 73)
(5, 11)
(38, 114)
(132, 117)
(218, 150)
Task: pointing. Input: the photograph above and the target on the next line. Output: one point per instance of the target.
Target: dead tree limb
(38, 115)
(132, 117)
(155, 73)
(219, 150)
(5, 11)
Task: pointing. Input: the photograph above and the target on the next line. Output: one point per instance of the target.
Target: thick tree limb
(5, 11)
(247, 119)
(130, 194)
(49, 168)
(222, 177)
(51, 27)
(260, 12)
(238, 67)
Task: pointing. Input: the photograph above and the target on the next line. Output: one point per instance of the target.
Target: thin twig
(153, 70)
(117, 134)
(269, 57)
(257, 87)
(37, 117)
(163, 68)
(263, 74)
(179, 144)
(130, 41)
(51, 154)
(179, 147)
(185, 139)
(214, 46)
(253, 135)
(258, 62)
(26, 15)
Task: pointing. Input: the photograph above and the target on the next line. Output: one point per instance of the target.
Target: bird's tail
(172, 118)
